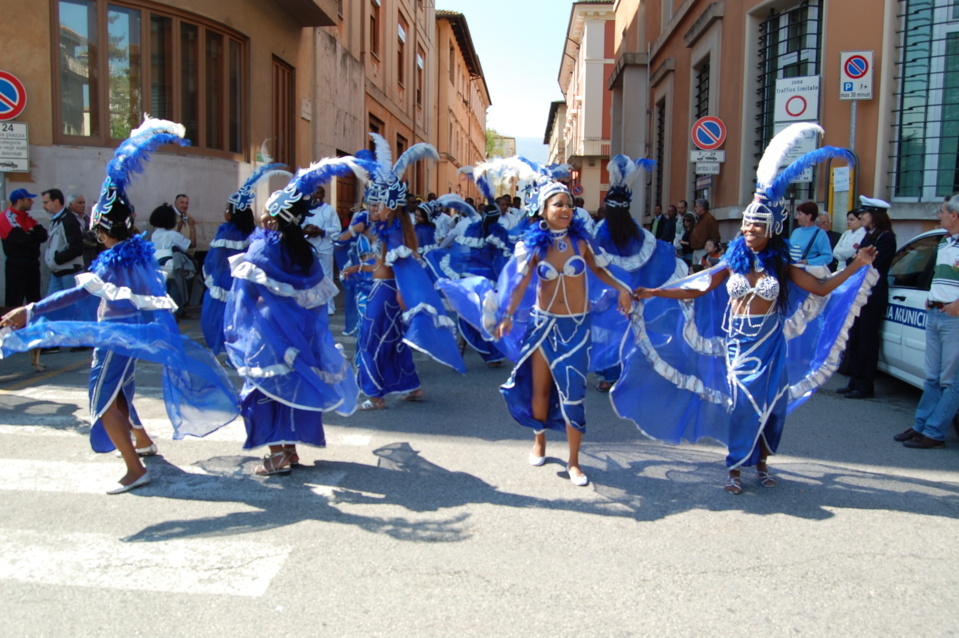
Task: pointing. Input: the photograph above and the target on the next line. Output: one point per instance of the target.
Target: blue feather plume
(132, 155)
(777, 190)
(308, 179)
(454, 201)
(414, 154)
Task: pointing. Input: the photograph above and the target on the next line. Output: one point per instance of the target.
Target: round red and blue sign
(709, 133)
(856, 67)
(13, 96)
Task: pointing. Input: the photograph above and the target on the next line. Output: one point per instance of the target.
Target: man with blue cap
(21, 235)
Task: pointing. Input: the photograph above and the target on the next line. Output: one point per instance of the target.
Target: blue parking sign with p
(847, 86)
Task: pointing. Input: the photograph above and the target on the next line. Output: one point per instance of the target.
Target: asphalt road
(425, 520)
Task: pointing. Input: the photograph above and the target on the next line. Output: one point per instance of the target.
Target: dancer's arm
(625, 295)
(506, 323)
(812, 285)
(682, 293)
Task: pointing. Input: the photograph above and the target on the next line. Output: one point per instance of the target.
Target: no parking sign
(855, 75)
(13, 96)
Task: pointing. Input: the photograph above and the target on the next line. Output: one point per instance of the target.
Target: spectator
(825, 223)
(862, 349)
(669, 232)
(808, 244)
(848, 244)
(682, 208)
(64, 252)
(940, 395)
(78, 204)
(713, 255)
(706, 228)
(21, 236)
(683, 250)
(321, 226)
(659, 222)
(170, 247)
(181, 203)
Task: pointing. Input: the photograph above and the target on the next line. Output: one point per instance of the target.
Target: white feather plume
(779, 147)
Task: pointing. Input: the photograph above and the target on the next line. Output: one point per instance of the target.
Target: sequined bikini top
(766, 288)
(575, 266)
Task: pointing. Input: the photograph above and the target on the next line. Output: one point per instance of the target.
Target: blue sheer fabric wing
(673, 385)
(817, 329)
(429, 329)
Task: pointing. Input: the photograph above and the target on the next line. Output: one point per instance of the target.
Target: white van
(903, 332)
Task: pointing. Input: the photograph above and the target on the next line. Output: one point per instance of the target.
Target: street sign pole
(852, 125)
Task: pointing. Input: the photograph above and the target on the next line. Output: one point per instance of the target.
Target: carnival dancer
(122, 309)
(277, 327)
(356, 249)
(403, 311)
(232, 238)
(731, 364)
(545, 326)
(636, 257)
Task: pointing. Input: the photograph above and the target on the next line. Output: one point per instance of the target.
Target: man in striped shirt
(940, 395)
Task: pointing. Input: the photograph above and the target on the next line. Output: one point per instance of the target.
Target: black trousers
(862, 349)
(22, 282)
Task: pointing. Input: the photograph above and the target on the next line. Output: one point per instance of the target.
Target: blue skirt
(271, 422)
(110, 375)
(564, 341)
(384, 361)
(758, 384)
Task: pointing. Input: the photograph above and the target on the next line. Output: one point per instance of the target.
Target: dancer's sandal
(604, 386)
(415, 395)
(275, 463)
(766, 479)
(734, 484)
(370, 404)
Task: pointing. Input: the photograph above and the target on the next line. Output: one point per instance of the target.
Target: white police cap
(871, 202)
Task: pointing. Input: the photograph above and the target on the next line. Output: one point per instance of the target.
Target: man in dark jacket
(64, 254)
(21, 236)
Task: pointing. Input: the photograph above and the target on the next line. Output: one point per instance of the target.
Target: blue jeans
(940, 394)
(63, 282)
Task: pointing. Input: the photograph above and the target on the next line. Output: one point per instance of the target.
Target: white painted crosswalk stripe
(190, 566)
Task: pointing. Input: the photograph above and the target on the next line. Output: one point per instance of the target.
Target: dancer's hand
(625, 302)
(504, 326)
(642, 293)
(16, 318)
(865, 256)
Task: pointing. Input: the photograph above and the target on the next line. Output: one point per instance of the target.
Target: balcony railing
(590, 147)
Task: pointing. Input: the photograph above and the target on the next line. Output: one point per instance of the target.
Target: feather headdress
(537, 183)
(243, 198)
(129, 159)
(767, 207)
(622, 172)
(386, 185)
(292, 202)
(454, 201)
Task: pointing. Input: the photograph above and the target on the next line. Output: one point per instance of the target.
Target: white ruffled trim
(439, 321)
(289, 357)
(489, 311)
(495, 241)
(111, 292)
(308, 298)
(232, 244)
(447, 269)
(814, 380)
(471, 242)
(397, 253)
(425, 249)
(220, 294)
(638, 260)
(668, 372)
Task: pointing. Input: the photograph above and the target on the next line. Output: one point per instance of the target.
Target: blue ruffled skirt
(564, 341)
(384, 361)
(271, 422)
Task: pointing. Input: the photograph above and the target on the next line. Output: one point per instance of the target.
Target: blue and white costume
(277, 325)
(229, 241)
(356, 251)
(698, 368)
(278, 339)
(387, 331)
(121, 309)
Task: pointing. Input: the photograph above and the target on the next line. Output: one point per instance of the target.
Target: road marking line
(215, 566)
(34, 380)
